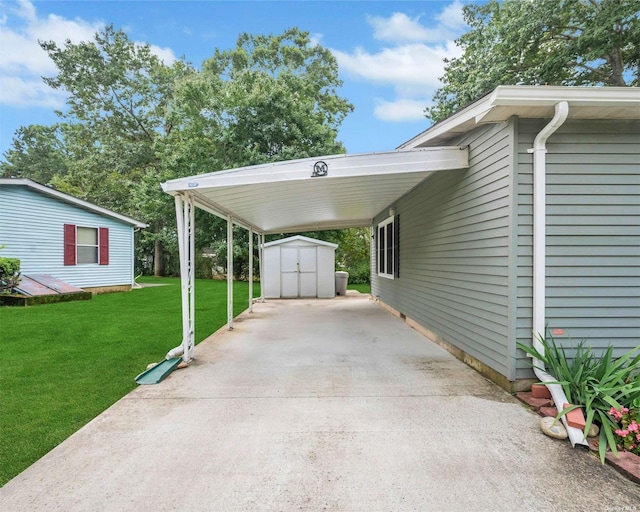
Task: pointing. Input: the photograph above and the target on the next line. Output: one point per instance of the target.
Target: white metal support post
(250, 270)
(229, 273)
(260, 266)
(186, 246)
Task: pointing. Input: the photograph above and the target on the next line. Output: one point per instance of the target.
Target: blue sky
(389, 53)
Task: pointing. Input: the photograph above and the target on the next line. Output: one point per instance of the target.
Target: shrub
(597, 383)
(9, 274)
(359, 273)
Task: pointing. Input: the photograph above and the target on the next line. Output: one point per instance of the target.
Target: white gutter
(539, 151)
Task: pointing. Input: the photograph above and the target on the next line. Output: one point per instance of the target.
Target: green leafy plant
(595, 383)
(9, 274)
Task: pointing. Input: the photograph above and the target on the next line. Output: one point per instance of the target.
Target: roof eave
(25, 182)
(542, 97)
(301, 238)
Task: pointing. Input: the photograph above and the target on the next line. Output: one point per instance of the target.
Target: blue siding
(593, 234)
(31, 227)
(456, 252)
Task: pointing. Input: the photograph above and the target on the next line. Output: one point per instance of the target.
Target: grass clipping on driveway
(63, 364)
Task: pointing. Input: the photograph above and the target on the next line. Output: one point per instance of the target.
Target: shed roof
(33, 185)
(300, 238)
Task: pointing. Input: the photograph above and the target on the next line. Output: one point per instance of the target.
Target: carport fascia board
(419, 160)
(361, 164)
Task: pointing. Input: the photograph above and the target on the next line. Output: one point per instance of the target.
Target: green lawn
(362, 288)
(63, 364)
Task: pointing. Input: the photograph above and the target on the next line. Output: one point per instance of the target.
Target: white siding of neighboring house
(32, 229)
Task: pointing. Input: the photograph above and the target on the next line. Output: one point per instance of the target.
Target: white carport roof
(286, 197)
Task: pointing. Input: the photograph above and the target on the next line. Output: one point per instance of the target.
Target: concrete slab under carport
(318, 405)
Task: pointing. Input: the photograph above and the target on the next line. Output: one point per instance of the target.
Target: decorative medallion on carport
(299, 266)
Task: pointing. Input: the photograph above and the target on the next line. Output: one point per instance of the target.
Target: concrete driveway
(318, 405)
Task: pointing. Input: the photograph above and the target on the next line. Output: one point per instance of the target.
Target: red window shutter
(103, 237)
(69, 244)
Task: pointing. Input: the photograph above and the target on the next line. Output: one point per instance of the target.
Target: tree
(37, 152)
(119, 95)
(133, 122)
(271, 98)
(542, 42)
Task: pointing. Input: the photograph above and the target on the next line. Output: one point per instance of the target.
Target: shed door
(289, 271)
(298, 268)
(308, 260)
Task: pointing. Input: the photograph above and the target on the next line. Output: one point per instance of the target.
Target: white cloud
(400, 110)
(315, 39)
(411, 62)
(26, 10)
(400, 28)
(19, 92)
(452, 18)
(23, 62)
(166, 55)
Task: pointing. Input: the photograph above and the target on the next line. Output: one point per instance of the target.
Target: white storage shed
(299, 266)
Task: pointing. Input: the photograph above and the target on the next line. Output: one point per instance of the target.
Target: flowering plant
(628, 437)
(597, 383)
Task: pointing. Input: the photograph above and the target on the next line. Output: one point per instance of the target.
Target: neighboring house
(470, 245)
(57, 234)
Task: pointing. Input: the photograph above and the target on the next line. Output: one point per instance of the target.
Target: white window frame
(388, 248)
(97, 246)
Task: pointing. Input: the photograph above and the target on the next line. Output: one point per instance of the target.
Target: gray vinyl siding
(593, 234)
(32, 227)
(455, 256)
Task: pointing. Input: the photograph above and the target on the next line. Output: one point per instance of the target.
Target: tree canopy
(270, 98)
(133, 121)
(541, 42)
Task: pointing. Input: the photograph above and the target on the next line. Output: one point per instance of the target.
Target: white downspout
(539, 151)
(229, 273)
(133, 258)
(186, 246)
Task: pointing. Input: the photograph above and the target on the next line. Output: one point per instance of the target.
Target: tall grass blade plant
(595, 382)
